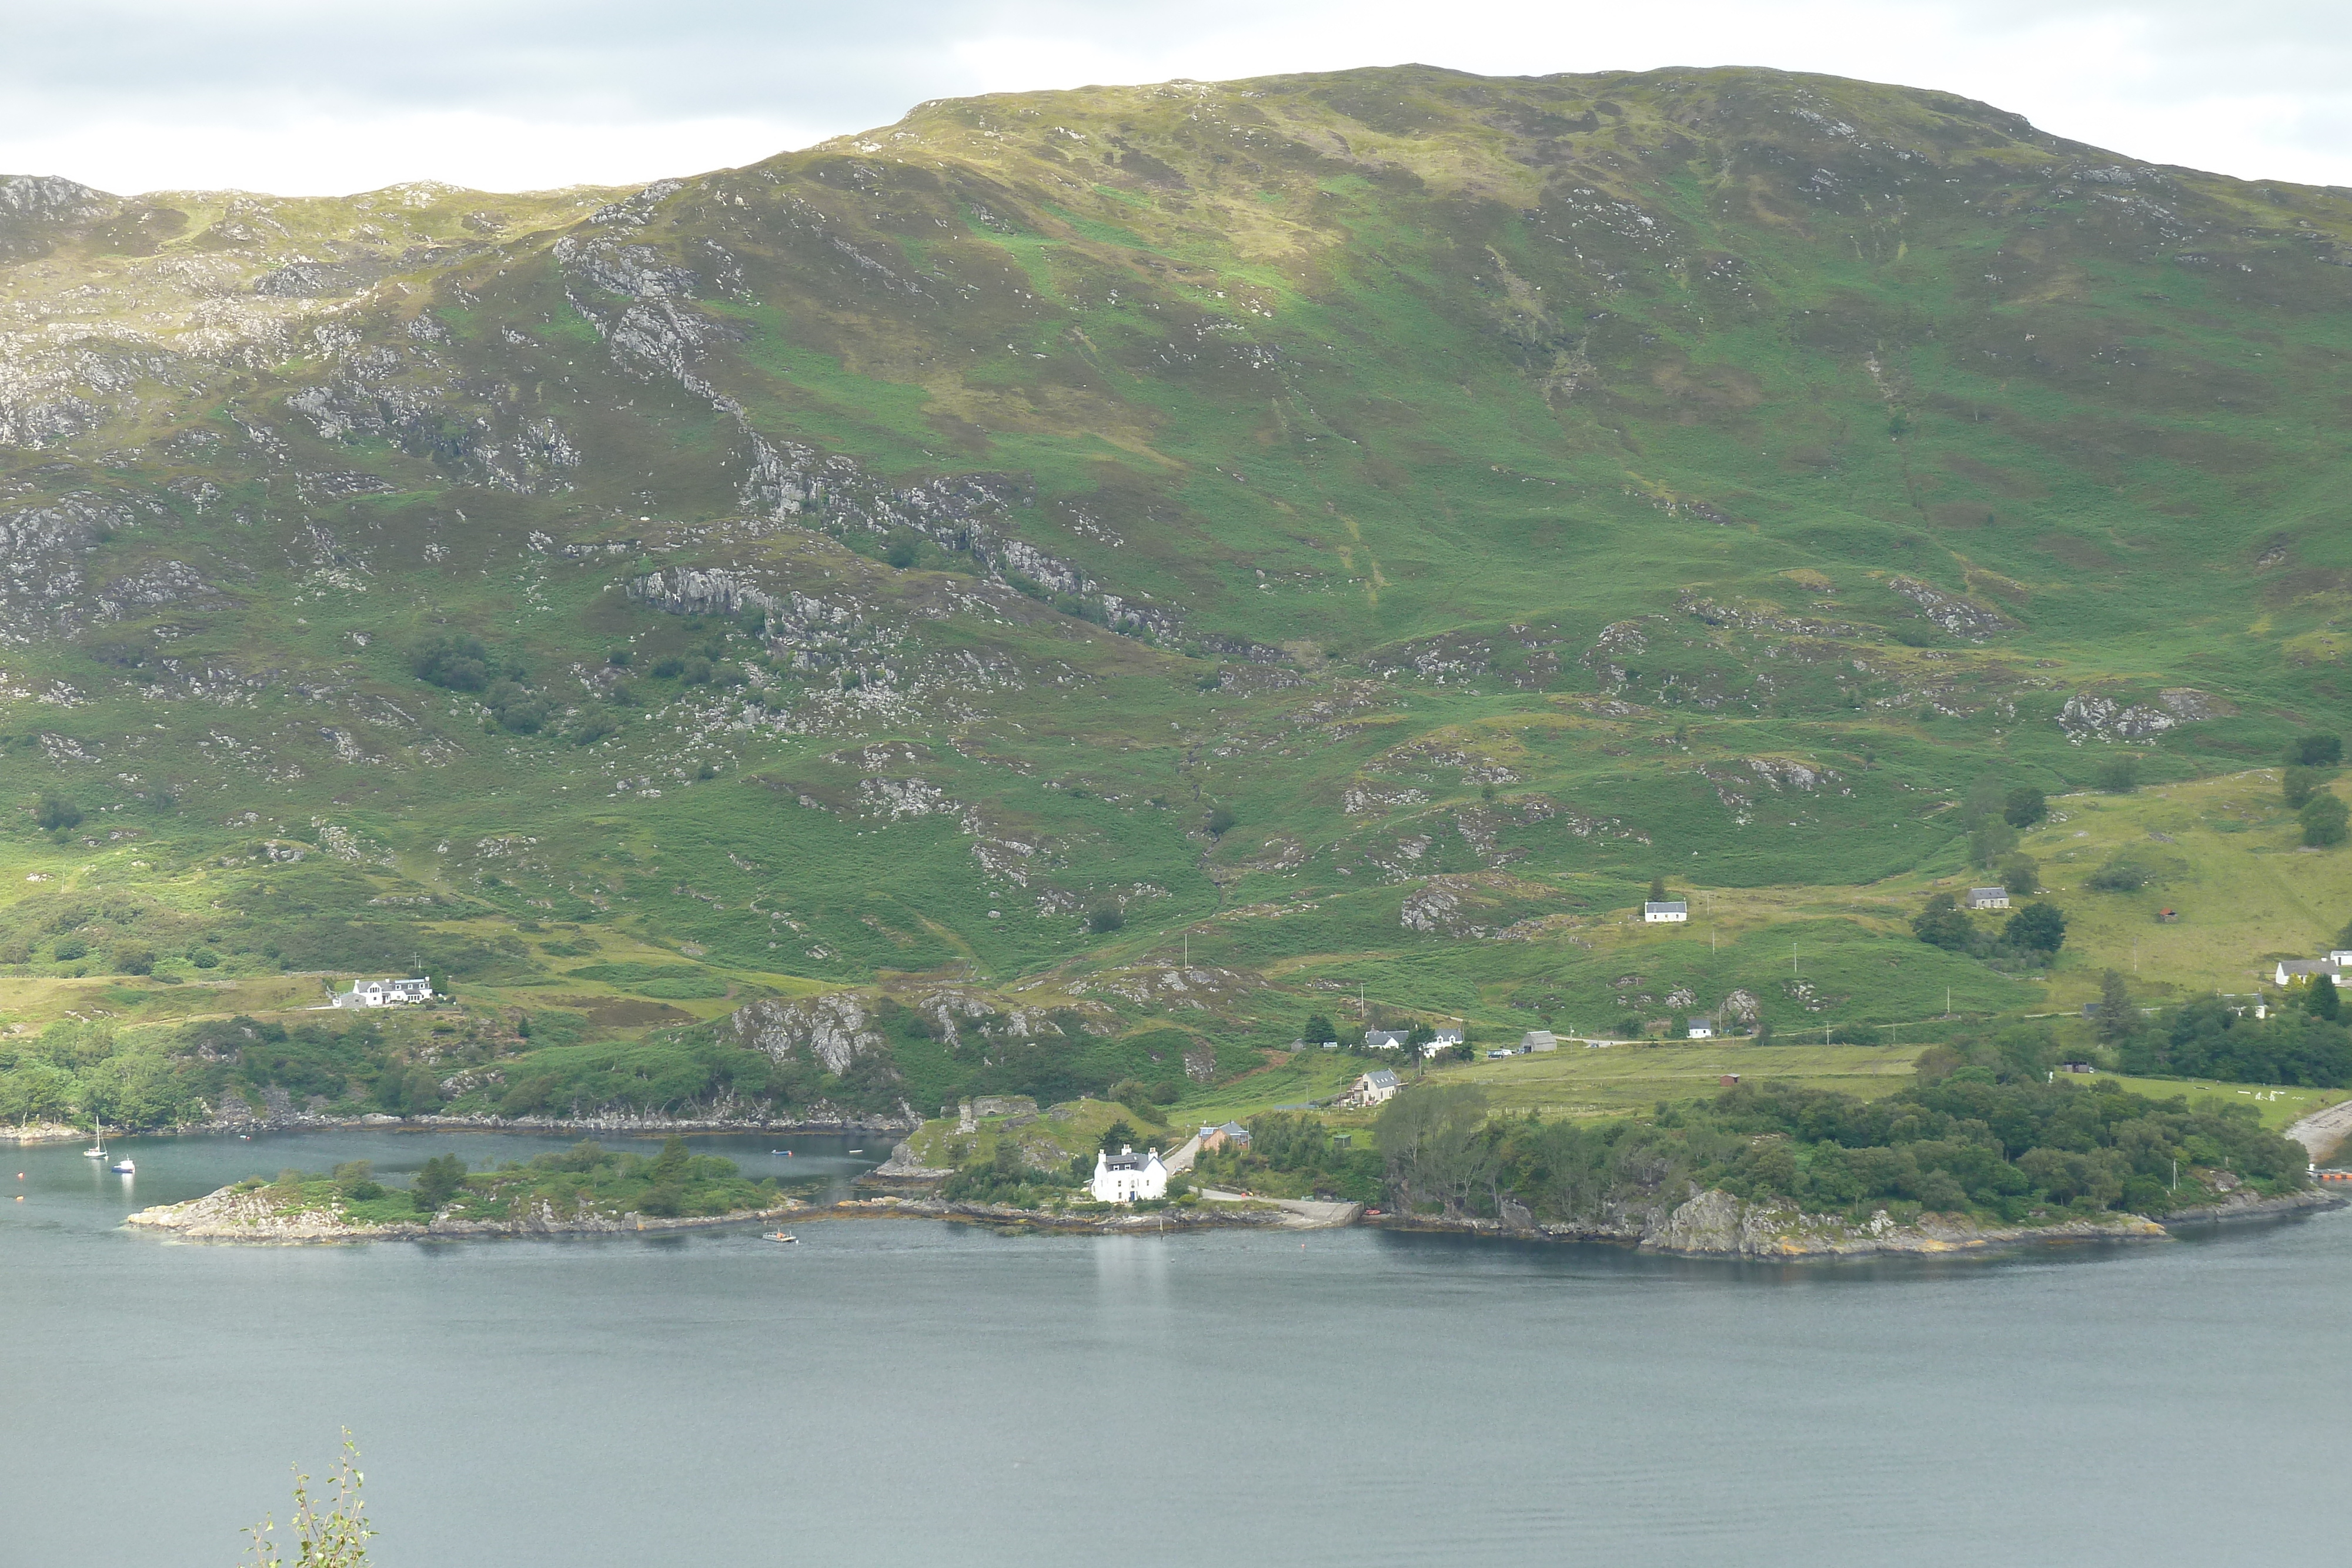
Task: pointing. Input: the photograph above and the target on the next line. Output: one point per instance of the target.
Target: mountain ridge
(1363, 525)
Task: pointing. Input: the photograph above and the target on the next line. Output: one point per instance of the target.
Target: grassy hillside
(1350, 532)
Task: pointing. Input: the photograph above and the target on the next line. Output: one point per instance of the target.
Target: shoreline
(1716, 1225)
(58, 1133)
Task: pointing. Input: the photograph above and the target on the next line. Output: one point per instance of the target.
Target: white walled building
(1670, 911)
(1126, 1176)
(386, 994)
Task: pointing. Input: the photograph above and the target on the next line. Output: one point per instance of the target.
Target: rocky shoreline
(1202, 1216)
(251, 1217)
(1717, 1224)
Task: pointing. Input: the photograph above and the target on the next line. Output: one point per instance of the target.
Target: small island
(586, 1191)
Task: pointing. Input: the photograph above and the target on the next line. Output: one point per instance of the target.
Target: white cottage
(400, 993)
(1666, 911)
(1988, 898)
(1126, 1176)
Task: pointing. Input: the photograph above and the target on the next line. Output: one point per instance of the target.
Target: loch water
(915, 1392)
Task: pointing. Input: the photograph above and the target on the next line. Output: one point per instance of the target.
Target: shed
(1538, 1040)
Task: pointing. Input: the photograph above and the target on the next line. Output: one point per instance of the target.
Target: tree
(1982, 802)
(1222, 822)
(672, 1165)
(437, 1182)
(1105, 918)
(2024, 807)
(454, 664)
(55, 814)
(1657, 890)
(2324, 821)
(1943, 925)
(1118, 1135)
(2323, 1002)
(2117, 1019)
(1991, 839)
(2037, 928)
(2021, 874)
(1433, 1140)
(2298, 784)
(2321, 750)
(2119, 774)
(1318, 1029)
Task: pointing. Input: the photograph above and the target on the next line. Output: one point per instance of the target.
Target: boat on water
(781, 1236)
(99, 1152)
(124, 1168)
(787, 1154)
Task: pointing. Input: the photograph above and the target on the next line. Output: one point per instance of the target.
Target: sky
(297, 98)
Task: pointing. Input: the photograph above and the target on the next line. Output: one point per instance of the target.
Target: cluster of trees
(1298, 1157)
(1982, 1132)
(2301, 1044)
(2028, 938)
(2311, 765)
(462, 663)
(1992, 815)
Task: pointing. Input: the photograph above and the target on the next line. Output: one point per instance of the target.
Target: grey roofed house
(1666, 911)
(1380, 1078)
(2290, 970)
(1538, 1040)
(1988, 898)
(1384, 1039)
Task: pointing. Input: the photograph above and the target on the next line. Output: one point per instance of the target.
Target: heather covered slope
(1370, 523)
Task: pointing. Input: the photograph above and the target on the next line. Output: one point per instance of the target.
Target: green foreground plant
(330, 1531)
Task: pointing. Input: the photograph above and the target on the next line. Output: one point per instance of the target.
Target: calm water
(910, 1392)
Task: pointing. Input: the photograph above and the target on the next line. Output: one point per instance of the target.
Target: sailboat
(100, 1152)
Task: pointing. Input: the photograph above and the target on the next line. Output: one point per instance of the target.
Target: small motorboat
(124, 1168)
(785, 1153)
(781, 1236)
(857, 1151)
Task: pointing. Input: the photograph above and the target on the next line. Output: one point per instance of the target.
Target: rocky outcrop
(834, 1030)
(253, 1215)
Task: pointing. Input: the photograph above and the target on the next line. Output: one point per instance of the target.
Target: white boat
(781, 1236)
(123, 1168)
(100, 1152)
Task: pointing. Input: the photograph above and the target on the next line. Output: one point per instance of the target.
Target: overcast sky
(300, 97)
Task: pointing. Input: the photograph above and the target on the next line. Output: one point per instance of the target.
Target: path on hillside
(1181, 1159)
(2322, 1131)
(1299, 1214)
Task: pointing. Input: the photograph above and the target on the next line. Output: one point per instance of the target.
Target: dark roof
(1665, 905)
(1125, 1160)
(1382, 1079)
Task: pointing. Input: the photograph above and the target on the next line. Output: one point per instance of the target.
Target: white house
(1988, 898)
(1701, 1029)
(1384, 1040)
(1670, 911)
(1374, 1088)
(1126, 1176)
(386, 993)
(2305, 971)
(1538, 1040)
(1443, 1039)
